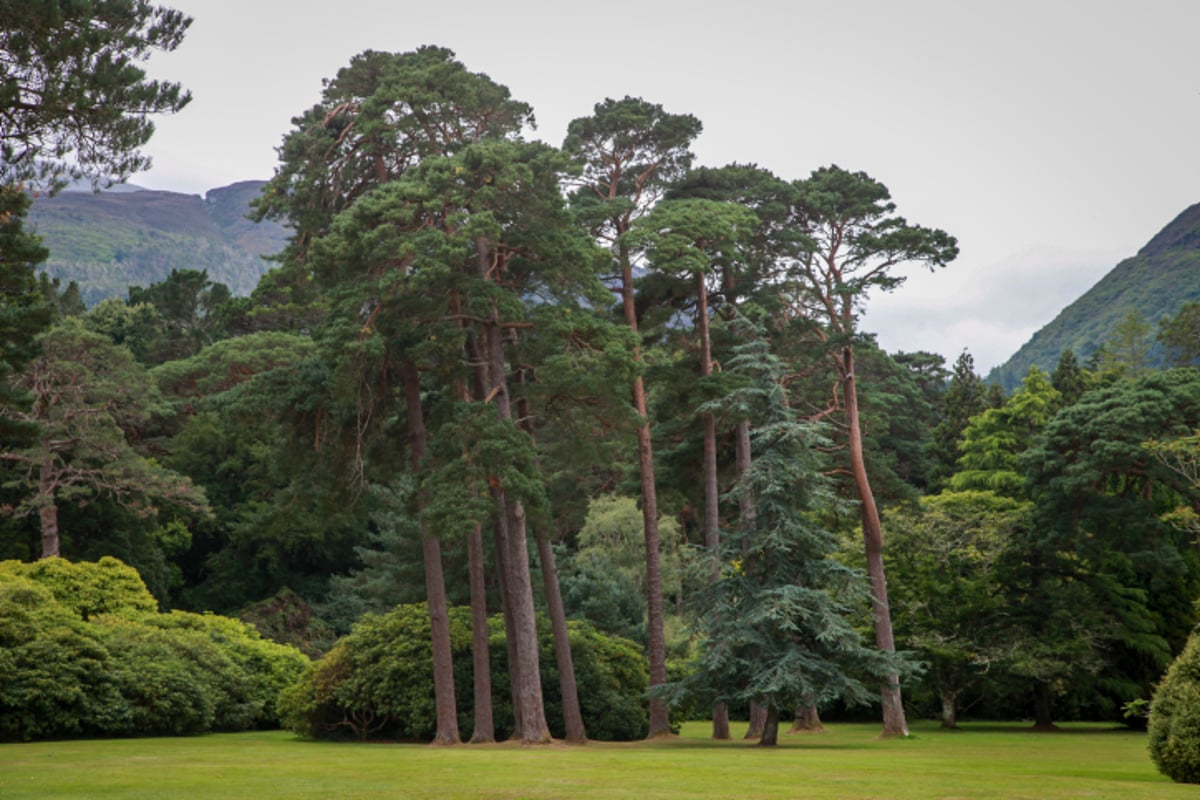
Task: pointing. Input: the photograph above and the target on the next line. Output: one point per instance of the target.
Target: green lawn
(981, 761)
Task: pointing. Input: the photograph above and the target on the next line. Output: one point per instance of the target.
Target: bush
(54, 677)
(101, 664)
(107, 586)
(378, 681)
(1175, 717)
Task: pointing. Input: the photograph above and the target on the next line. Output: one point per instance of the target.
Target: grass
(849, 762)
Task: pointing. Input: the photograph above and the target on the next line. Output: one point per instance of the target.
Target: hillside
(1163, 276)
(109, 241)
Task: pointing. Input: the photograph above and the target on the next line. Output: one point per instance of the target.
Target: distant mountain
(1163, 276)
(110, 241)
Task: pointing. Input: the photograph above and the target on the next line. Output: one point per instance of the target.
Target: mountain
(1156, 282)
(109, 241)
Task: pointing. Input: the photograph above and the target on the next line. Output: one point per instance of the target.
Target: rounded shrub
(377, 681)
(89, 588)
(1175, 717)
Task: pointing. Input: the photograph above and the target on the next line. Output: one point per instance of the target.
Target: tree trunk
(520, 595)
(720, 721)
(500, 536)
(770, 732)
(572, 716)
(949, 709)
(656, 649)
(712, 511)
(894, 722)
(1043, 707)
(485, 726)
(435, 585)
(758, 719)
(807, 720)
(48, 513)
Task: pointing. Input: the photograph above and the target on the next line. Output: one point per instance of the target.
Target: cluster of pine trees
(598, 381)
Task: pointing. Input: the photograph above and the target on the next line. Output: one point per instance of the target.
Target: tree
(994, 440)
(1180, 335)
(964, 399)
(23, 311)
(854, 241)
(777, 625)
(627, 153)
(89, 398)
(74, 102)
(945, 554)
(1126, 352)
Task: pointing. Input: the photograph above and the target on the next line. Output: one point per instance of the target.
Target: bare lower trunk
(1043, 707)
(572, 716)
(48, 513)
(807, 720)
(435, 585)
(485, 726)
(949, 709)
(770, 733)
(758, 719)
(720, 721)
(894, 722)
(528, 681)
(500, 535)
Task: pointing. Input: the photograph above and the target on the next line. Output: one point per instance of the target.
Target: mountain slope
(1156, 282)
(109, 241)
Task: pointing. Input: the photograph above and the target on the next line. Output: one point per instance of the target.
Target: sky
(1053, 138)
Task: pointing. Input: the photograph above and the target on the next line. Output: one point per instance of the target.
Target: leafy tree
(89, 397)
(74, 102)
(1180, 335)
(1126, 352)
(944, 557)
(1098, 550)
(23, 311)
(855, 239)
(627, 153)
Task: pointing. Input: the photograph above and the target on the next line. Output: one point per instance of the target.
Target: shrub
(107, 586)
(1175, 717)
(378, 681)
(102, 663)
(54, 678)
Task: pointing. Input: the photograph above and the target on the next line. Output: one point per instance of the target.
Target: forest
(582, 440)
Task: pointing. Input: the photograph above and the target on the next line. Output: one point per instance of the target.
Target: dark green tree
(777, 625)
(627, 154)
(75, 102)
(1180, 335)
(964, 398)
(24, 312)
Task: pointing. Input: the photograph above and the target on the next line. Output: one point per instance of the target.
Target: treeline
(596, 382)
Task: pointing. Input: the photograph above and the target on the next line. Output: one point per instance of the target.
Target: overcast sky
(1051, 137)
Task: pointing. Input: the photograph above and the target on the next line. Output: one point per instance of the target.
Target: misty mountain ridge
(1156, 283)
(129, 236)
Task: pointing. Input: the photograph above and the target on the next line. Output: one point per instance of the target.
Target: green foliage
(1180, 335)
(76, 102)
(102, 663)
(378, 680)
(88, 588)
(1175, 717)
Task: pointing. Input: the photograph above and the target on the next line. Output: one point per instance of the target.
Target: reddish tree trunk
(894, 722)
(758, 719)
(770, 731)
(435, 586)
(656, 649)
(807, 721)
(572, 716)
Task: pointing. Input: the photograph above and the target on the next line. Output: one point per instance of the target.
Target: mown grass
(849, 762)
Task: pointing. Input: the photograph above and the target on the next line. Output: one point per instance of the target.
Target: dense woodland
(595, 399)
